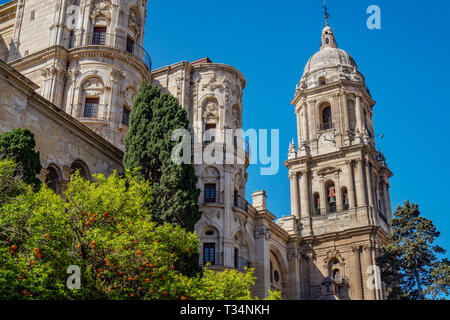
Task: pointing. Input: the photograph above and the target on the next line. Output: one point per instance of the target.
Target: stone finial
(292, 150)
(259, 200)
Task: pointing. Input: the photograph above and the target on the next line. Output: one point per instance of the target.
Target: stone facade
(96, 54)
(64, 144)
(79, 76)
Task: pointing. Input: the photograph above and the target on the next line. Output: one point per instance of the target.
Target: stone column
(311, 120)
(42, 176)
(228, 237)
(306, 275)
(295, 197)
(350, 186)
(293, 276)
(389, 201)
(339, 201)
(357, 276)
(387, 205)
(369, 184)
(369, 293)
(345, 107)
(323, 197)
(360, 188)
(305, 125)
(359, 114)
(262, 254)
(305, 204)
(299, 129)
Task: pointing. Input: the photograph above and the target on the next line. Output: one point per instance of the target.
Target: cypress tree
(18, 145)
(148, 146)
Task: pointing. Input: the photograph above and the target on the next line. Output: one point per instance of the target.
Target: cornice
(112, 53)
(201, 67)
(8, 11)
(367, 230)
(38, 58)
(42, 56)
(324, 157)
(331, 86)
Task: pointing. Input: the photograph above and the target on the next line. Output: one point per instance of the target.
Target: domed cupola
(329, 65)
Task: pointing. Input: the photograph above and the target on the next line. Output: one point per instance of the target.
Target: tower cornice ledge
(335, 236)
(342, 153)
(341, 84)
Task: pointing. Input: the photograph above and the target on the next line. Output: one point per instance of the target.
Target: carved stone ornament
(210, 173)
(129, 96)
(262, 231)
(293, 254)
(211, 109)
(333, 254)
(213, 85)
(211, 213)
(101, 9)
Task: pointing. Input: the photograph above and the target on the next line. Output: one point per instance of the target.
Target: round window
(209, 233)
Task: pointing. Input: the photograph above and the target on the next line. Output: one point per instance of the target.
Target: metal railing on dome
(111, 41)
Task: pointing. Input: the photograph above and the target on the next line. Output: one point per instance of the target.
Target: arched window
(92, 95)
(327, 119)
(99, 36)
(82, 169)
(337, 276)
(331, 197)
(209, 237)
(345, 199)
(126, 116)
(210, 132)
(316, 204)
(91, 107)
(52, 180)
(322, 81)
(209, 253)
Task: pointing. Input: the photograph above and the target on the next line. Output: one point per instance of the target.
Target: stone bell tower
(339, 182)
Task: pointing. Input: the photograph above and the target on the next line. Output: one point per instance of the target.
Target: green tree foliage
(10, 183)
(104, 228)
(409, 264)
(440, 288)
(19, 145)
(148, 146)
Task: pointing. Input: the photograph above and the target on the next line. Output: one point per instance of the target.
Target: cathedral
(70, 71)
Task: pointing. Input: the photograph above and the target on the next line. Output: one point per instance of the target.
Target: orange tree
(104, 229)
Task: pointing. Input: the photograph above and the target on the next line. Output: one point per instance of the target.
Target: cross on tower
(325, 11)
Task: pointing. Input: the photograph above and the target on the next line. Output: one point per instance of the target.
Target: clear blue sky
(406, 65)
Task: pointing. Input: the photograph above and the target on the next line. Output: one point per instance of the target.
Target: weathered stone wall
(61, 140)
